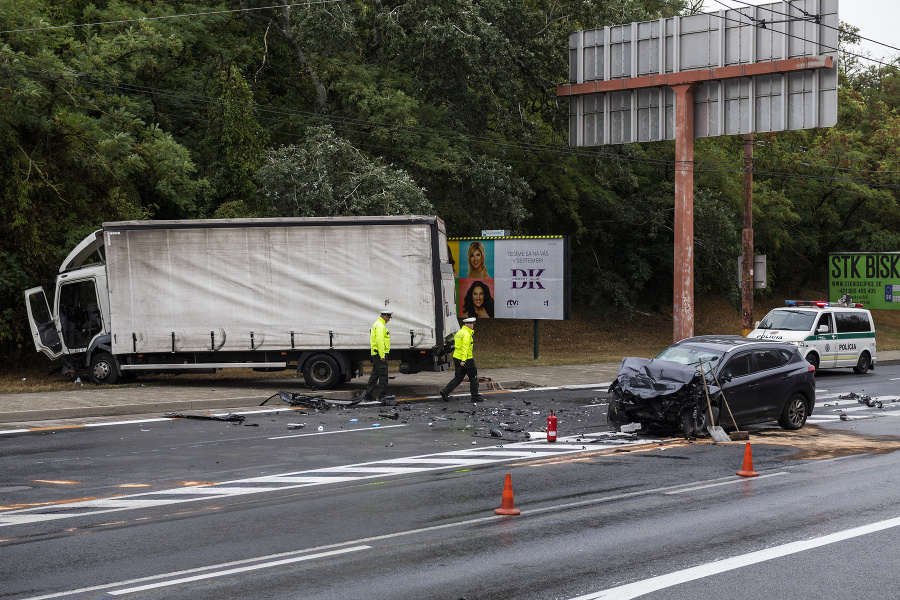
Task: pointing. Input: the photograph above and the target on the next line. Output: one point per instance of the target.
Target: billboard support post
(536, 337)
(747, 274)
(683, 309)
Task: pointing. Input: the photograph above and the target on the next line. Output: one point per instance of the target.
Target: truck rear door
(44, 330)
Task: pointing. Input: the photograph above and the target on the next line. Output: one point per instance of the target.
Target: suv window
(768, 359)
(740, 364)
(787, 355)
(852, 322)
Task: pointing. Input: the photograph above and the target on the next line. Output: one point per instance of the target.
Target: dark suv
(748, 381)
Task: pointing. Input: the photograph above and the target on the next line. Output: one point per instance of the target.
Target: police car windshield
(788, 320)
(691, 355)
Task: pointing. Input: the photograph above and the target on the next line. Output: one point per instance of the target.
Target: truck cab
(76, 327)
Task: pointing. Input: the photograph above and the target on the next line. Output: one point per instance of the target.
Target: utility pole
(747, 240)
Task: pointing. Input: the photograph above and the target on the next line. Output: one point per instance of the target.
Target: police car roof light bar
(818, 303)
(821, 304)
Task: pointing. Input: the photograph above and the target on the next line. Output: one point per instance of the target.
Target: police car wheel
(863, 365)
(813, 359)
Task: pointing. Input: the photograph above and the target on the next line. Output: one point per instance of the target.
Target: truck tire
(321, 371)
(103, 368)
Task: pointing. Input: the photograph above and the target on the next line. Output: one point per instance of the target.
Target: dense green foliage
(114, 110)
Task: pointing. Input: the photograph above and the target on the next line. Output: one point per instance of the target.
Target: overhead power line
(178, 16)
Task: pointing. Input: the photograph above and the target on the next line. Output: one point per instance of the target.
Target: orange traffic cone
(506, 505)
(748, 471)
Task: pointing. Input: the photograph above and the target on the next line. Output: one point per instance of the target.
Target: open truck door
(43, 328)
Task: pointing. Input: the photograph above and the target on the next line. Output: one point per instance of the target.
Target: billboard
(872, 278)
(512, 277)
(619, 76)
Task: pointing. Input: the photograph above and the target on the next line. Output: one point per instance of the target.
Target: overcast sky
(877, 20)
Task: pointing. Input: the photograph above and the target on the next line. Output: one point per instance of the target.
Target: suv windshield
(688, 354)
(790, 320)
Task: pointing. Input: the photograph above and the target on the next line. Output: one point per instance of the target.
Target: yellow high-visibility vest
(464, 341)
(380, 338)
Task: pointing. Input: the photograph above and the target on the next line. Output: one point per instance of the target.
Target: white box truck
(188, 296)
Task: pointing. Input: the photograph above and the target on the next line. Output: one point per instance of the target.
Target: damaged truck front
(660, 395)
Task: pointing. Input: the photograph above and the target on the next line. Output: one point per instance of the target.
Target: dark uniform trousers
(379, 376)
(461, 372)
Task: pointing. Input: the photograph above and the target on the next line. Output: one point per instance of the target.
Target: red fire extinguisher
(551, 427)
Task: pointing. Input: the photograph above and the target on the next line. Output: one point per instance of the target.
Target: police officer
(380, 339)
(464, 342)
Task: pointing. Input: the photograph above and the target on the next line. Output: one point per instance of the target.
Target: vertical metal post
(683, 307)
(747, 240)
(536, 337)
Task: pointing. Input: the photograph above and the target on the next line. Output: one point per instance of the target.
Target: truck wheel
(103, 368)
(863, 365)
(321, 371)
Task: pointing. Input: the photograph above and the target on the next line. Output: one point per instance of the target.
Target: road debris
(228, 417)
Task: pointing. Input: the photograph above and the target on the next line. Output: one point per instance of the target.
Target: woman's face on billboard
(477, 258)
(478, 296)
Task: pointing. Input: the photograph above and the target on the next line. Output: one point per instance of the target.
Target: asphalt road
(209, 509)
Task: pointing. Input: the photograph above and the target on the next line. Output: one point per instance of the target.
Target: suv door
(742, 391)
(775, 380)
(43, 328)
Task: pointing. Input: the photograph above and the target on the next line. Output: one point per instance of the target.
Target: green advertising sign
(872, 278)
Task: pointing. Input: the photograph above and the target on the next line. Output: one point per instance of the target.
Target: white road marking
(369, 540)
(13, 431)
(296, 435)
(136, 421)
(584, 386)
(268, 565)
(730, 482)
(654, 584)
(446, 461)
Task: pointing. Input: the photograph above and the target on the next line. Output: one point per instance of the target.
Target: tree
(327, 176)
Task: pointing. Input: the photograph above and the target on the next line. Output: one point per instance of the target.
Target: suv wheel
(794, 414)
(863, 365)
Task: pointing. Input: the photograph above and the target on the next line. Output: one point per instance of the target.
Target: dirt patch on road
(815, 443)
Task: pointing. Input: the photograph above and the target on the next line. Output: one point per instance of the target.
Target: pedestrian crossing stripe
(444, 461)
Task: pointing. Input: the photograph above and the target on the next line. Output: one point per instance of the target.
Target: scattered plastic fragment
(228, 417)
(376, 424)
(354, 420)
(321, 428)
(297, 425)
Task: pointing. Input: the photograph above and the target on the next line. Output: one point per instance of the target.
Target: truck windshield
(788, 320)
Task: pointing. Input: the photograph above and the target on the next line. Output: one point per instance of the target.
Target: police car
(829, 335)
